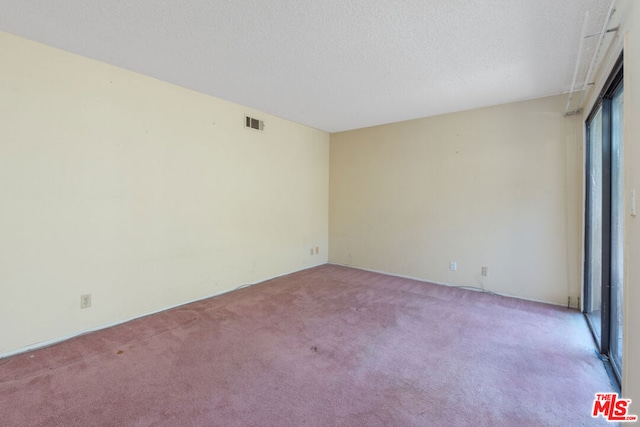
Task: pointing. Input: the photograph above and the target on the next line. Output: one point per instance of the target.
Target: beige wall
(144, 194)
(496, 187)
(631, 379)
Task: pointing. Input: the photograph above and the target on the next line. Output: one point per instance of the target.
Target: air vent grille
(251, 123)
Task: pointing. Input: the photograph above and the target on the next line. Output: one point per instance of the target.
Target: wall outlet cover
(85, 301)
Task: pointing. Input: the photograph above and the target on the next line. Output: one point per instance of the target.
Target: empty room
(339, 213)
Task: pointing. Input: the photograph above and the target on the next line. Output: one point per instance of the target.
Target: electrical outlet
(85, 301)
(485, 271)
(317, 250)
(453, 266)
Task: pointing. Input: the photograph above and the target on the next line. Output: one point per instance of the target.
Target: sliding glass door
(604, 220)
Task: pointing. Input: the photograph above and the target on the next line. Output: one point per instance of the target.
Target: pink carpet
(329, 346)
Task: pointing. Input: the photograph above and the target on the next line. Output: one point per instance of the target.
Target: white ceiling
(330, 64)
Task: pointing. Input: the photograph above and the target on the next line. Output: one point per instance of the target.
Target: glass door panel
(617, 228)
(593, 255)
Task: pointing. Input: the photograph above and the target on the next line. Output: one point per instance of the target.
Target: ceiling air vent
(251, 123)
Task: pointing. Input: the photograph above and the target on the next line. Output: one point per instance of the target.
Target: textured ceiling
(335, 64)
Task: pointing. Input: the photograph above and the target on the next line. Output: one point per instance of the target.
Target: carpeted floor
(329, 346)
